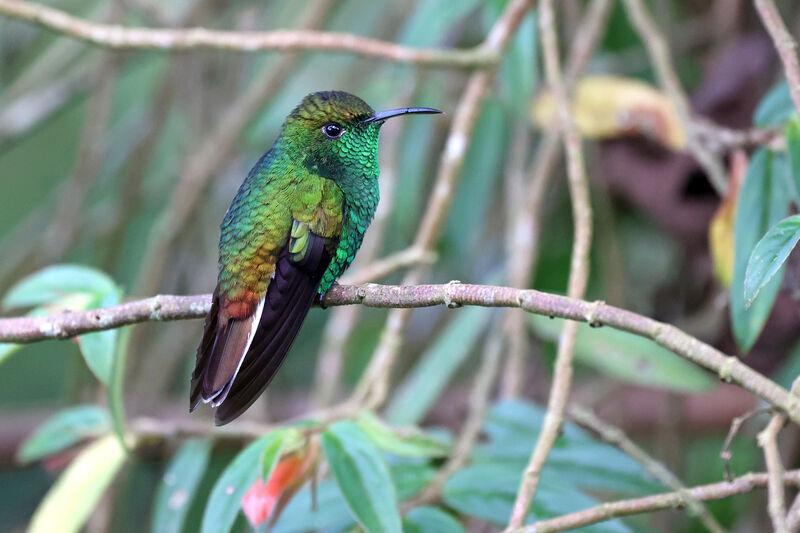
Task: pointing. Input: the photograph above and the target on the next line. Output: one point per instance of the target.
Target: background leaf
(763, 201)
(225, 500)
(363, 478)
(769, 255)
(628, 357)
(71, 500)
(404, 442)
(63, 430)
(431, 520)
(179, 485)
(436, 367)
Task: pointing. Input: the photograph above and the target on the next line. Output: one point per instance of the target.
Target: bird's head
(335, 135)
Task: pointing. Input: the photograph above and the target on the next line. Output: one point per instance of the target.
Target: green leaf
(775, 108)
(628, 357)
(272, 454)
(116, 385)
(488, 491)
(74, 287)
(763, 201)
(436, 366)
(793, 149)
(404, 442)
(178, 486)
(769, 255)
(431, 520)
(225, 500)
(431, 21)
(363, 478)
(98, 352)
(54, 282)
(69, 502)
(63, 430)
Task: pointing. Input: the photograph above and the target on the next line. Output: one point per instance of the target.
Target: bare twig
(784, 43)
(374, 382)
(736, 425)
(212, 153)
(656, 502)
(578, 272)
(523, 255)
(793, 516)
(64, 226)
(616, 437)
(768, 441)
(119, 37)
(343, 321)
(658, 49)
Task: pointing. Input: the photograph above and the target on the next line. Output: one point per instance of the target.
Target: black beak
(380, 116)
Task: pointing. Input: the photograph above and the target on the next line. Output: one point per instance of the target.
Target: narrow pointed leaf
(272, 454)
(178, 486)
(63, 430)
(116, 384)
(431, 520)
(763, 202)
(69, 502)
(769, 255)
(56, 281)
(363, 477)
(224, 502)
(404, 442)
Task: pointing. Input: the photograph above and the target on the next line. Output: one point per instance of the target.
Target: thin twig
(660, 57)
(63, 227)
(616, 437)
(578, 272)
(213, 151)
(656, 502)
(768, 441)
(373, 386)
(119, 37)
(784, 43)
(736, 425)
(793, 516)
(525, 233)
(67, 325)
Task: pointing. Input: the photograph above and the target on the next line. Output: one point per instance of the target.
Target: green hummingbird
(293, 227)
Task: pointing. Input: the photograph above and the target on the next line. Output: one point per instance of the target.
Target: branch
(578, 270)
(656, 502)
(616, 437)
(374, 382)
(768, 441)
(660, 57)
(784, 43)
(120, 37)
(163, 308)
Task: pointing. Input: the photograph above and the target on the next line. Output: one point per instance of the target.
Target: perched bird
(294, 226)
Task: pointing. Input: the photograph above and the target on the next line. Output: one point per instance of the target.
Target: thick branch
(162, 308)
(119, 37)
(656, 502)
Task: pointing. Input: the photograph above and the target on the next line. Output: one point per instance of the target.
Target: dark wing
(232, 383)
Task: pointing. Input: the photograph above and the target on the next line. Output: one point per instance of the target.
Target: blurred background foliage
(118, 161)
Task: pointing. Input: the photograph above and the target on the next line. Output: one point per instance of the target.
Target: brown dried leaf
(606, 107)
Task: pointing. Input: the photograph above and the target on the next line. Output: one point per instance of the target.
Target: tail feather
(237, 361)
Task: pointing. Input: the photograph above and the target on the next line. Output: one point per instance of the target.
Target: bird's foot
(321, 297)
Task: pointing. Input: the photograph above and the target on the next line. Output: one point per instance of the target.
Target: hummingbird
(293, 227)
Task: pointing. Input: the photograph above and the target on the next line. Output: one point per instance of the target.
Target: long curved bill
(380, 116)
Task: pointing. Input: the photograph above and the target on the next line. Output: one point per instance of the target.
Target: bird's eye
(332, 130)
